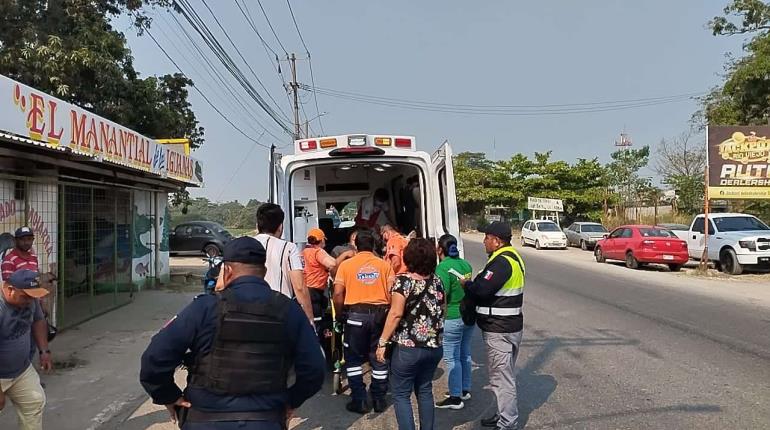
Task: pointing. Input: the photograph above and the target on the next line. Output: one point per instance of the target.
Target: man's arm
(338, 296)
(166, 352)
(7, 268)
(309, 360)
(297, 279)
(328, 261)
(490, 280)
(40, 334)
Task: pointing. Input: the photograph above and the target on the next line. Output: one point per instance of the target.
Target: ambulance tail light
(328, 143)
(383, 141)
(308, 145)
(402, 142)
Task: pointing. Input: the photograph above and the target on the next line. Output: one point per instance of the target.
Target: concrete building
(95, 193)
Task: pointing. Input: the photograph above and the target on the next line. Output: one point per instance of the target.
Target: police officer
(242, 341)
(362, 298)
(498, 294)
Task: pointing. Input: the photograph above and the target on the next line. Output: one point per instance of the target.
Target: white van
(324, 182)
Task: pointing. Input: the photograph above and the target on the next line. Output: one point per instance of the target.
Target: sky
(456, 52)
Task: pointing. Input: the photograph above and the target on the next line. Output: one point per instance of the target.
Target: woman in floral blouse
(415, 325)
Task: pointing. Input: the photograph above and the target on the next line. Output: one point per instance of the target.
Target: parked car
(736, 241)
(199, 237)
(585, 234)
(638, 245)
(543, 234)
(680, 230)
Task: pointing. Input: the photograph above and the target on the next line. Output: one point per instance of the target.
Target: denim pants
(412, 369)
(457, 355)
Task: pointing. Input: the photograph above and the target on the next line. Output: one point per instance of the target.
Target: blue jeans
(457, 355)
(413, 369)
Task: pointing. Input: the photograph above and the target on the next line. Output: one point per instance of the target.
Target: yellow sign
(739, 162)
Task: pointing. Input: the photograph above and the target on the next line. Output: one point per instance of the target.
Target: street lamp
(313, 119)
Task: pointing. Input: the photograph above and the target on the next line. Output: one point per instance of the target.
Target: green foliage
(681, 163)
(231, 214)
(69, 48)
(482, 182)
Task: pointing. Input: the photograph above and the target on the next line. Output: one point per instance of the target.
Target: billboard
(739, 162)
(550, 205)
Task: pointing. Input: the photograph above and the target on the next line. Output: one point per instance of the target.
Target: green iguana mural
(142, 225)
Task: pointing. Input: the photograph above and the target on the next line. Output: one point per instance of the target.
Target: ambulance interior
(328, 196)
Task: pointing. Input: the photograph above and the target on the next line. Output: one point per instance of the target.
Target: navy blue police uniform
(246, 389)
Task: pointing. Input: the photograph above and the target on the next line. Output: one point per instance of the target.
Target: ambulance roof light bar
(354, 141)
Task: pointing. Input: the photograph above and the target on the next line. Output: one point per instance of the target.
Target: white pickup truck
(736, 241)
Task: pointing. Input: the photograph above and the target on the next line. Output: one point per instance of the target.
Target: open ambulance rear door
(447, 217)
(280, 194)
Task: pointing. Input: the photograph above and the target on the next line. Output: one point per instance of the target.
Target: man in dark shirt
(197, 329)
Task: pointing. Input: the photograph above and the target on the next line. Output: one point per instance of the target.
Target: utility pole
(295, 87)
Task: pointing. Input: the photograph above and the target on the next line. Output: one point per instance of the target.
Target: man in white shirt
(285, 269)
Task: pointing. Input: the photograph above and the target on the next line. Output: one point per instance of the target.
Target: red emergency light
(308, 145)
(402, 142)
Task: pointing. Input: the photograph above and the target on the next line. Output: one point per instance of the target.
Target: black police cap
(245, 250)
(499, 229)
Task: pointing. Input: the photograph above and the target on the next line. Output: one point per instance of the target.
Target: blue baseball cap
(29, 282)
(23, 232)
(246, 250)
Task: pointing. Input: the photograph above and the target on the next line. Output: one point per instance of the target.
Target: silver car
(585, 234)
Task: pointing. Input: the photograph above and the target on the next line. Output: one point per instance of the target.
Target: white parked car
(543, 234)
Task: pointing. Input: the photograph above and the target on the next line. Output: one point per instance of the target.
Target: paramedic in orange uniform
(362, 298)
(318, 266)
(394, 248)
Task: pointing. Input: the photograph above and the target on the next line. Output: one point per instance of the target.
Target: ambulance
(327, 180)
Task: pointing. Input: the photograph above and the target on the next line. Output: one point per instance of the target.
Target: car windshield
(739, 223)
(591, 228)
(547, 226)
(656, 232)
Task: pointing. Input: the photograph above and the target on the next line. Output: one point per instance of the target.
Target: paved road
(608, 348)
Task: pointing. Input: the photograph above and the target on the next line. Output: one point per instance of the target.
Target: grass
(238, 232)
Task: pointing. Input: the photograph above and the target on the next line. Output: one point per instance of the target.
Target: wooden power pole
(295, 87)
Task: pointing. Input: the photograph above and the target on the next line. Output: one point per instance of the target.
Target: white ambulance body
(324, 182)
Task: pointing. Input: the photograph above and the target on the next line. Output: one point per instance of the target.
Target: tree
(69, 48)
(681, 162)
(623, 174)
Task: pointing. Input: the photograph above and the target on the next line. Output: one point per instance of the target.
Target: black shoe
(455, 403)
(380, 405)
(357, 407)
(466, 395)
(491, 421)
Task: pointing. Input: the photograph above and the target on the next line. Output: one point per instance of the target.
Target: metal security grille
(96, 243)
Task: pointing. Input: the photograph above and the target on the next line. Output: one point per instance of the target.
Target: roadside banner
(739, 162)
(539, 204)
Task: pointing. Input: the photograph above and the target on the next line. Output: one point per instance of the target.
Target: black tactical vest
(251, 353)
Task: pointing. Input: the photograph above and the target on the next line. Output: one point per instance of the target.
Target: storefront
(95, 194)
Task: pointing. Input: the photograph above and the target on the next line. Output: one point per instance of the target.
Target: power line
(199, 25)
(247, 14)
(237, 96)
(271, 28)
(257, 142)
(499, 111)
(238, 51)
(310, 65)
(235, 172)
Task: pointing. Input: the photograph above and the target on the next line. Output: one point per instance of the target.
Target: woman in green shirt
(457, 335)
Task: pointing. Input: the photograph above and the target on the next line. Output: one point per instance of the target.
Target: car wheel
(583, 245)
(674, 267)
(211, 250)
(631, 261)
(729, 262)
(537, 245)
(599, 255)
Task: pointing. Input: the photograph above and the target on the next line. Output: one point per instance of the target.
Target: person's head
(24, 238)
(497, 235)
(316, 238)
(447, 247)
(387, 231)
(381, 195)
(352, 237)
(22, 288)
(270, 219)
(420, 257)
(244, 256)
(365, 241)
